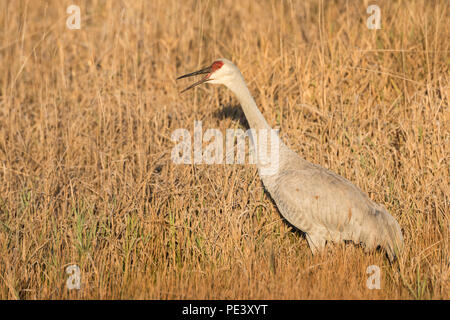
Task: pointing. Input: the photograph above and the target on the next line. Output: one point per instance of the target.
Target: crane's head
(221, 71)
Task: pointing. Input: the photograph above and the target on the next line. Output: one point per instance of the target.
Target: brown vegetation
(86, 118)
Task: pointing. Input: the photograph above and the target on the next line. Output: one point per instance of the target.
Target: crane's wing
(322, 203)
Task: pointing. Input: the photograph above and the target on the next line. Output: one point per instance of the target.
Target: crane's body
(322, 204)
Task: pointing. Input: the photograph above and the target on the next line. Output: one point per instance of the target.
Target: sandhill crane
(319, 202)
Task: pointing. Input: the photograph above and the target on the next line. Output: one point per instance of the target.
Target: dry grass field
(86, 118)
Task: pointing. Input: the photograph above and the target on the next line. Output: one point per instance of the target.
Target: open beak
(206, 71)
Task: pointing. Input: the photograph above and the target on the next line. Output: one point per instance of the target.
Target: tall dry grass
(86, 118)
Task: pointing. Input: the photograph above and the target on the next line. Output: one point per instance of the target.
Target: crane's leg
(316, 242)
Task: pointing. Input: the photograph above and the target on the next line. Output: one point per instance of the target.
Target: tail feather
(391, 234)
(381, 229)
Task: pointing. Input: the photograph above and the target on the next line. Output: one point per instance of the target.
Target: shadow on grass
(234, 112)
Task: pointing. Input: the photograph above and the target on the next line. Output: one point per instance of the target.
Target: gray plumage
(327, 207)
(322, 204)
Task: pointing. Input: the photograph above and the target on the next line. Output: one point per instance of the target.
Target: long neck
(254, 117)
(268, 165)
